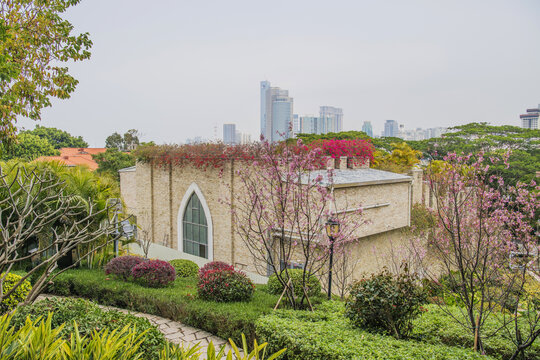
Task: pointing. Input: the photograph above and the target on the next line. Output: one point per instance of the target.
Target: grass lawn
(178, 302)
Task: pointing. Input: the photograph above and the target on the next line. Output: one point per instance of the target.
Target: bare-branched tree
(33, 203)
(280, 208)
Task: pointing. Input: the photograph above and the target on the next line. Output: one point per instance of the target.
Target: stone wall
(160, 192)
(128, 187)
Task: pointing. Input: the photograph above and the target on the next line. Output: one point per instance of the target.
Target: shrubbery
(313, 285)
(215, 265)
(225, 285)
(439, 326)
(17, 296)
(42, 339)
(386, 303)
(154, 273)
(178, 302)
(326, 334)
(89, 317)
(122, 266)
(184, 267)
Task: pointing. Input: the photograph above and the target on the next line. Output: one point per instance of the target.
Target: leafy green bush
(17, 296)
(184, 267)
(179, 352)
(41, 340)
(326, 334)
(88, 316)
(225, 286)
(177, 302)
(438, 325)
(385, 302)
(313, 285)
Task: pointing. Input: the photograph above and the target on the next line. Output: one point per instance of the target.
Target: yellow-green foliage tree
(400, 160)
(35, 41)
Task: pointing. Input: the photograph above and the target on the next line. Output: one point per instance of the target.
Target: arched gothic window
(195, 228)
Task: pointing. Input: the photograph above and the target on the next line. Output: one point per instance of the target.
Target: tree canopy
(113, 160)
(58, 138)
(27, 147)
(129, 141)
(524, 145)
(35, 41)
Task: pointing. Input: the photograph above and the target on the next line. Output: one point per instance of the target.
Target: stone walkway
(174, 331)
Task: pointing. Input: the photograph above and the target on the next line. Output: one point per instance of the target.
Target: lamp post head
(332, 228)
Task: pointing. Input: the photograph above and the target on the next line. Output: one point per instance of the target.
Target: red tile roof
(76, 157)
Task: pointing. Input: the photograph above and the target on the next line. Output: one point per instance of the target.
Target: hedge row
(326, 335)
(177, 302)
(438, 326)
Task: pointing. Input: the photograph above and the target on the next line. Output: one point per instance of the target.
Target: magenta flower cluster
(219, 282)
(214, 265)
(154, 273)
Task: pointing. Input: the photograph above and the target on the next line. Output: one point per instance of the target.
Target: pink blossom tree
(480, 222)
(280, 208)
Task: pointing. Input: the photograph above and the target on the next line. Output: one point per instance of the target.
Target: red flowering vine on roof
(215, 155)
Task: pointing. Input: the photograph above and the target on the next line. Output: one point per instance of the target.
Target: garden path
(174, 331)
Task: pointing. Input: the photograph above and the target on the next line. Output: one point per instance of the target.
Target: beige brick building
(177, 204)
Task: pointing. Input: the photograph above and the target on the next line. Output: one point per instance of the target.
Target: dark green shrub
(385, 302)
(326, 334)
(17, 296)
(313, 285)
(225, 286)
(154, 273)
(184, 268)
(89, 317)
(122, 266)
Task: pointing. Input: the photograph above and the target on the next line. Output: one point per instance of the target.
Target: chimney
(357, 163)
(342, 162)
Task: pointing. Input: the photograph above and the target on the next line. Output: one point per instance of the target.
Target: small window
(195, 228)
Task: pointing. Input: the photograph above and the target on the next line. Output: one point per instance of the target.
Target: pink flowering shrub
(121, 266)
(214, 265)
(154, 273)
(357, 148)
(225, 285)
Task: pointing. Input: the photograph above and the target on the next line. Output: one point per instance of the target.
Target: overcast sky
(175, 69)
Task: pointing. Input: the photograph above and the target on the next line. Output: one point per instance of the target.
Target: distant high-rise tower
(530, 119)
(367, 128)
(332, 119)
(391, 128)
(276, 112)
(229, 134)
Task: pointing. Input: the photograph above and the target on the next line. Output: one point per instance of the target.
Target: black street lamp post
(332, 230)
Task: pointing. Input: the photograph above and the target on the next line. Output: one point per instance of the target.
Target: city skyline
(196, 64)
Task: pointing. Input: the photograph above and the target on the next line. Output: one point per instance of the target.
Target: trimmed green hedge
(436, 326)
(184, 267)
(178, 302)
(327, 335)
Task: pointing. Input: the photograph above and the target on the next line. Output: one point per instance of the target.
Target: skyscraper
(332, 119)
(276, 112)
(391, 128)
(229, 134)
(367, 128)
(530, 119)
